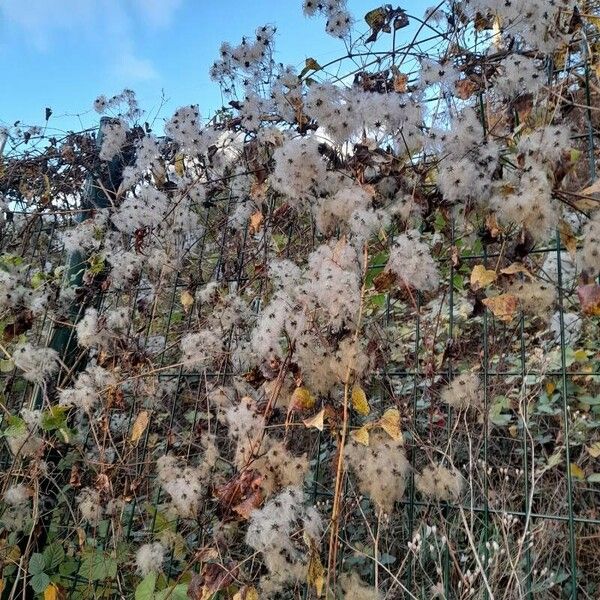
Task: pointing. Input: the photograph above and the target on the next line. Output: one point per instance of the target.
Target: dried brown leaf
(515, 268)
(316, 421)
(139, 426)
(503, 307)
(390, 423)
(256, 221)
(589, 298)
(465, 88)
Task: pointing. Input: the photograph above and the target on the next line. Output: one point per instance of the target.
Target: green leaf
(96, 264)
(176, 592)
(458, 282)
(69, 567)
(439, 222)
(9, 261)
(37, 280)
(54, 418)
(145, 589)
(387, 559)
(53, 555)
(16, 426)
(594, 478)
(498, 405)
(37, 564)
(378, 300)
(97, 566)
(376, 266)
(39, 582)
(6, 366)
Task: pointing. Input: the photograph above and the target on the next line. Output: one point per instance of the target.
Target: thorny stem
(339, 476)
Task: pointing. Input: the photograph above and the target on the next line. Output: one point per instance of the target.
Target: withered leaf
(53, 592)
(594, 449)
(139, 426)
(187, 300)
(577, 471)
(256, 221)
(465, 88)
(515, 268)
(589, 298)
(213, 578)
(246, 593)
(359, 401)
(315, 575)
(482, 277)
(180, 164)
(22, 323)
(492, 226)
(302, 399)
(400, 83)
(567, 237)
(241, 495)
(390, 423)
(384, 281)
(316, 421)
(503, 307)
(361, 435)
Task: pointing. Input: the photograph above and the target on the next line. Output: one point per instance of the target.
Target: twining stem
(339, 476)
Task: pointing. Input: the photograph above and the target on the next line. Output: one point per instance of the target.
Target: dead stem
(339, 476)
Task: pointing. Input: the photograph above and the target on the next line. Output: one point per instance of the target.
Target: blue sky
(64, 53)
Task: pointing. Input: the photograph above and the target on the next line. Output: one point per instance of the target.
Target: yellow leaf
(553, 461)
(186, 300)
(482, 277)
(2, 584)
(593, 19)
(179, 165)
(580, 355)
(51, 592)
(550, 387)
(302, 399)
(515, 268)
(513, 430)
(594, 450)
(315, 575)
(361, 435)
(390, 423)
(311, 64)
(316, 421)
(246, 593)
(503, 306)
(359, 401)
(139, 426)
(577, 471)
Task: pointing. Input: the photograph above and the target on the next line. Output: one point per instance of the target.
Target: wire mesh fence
(475, 412)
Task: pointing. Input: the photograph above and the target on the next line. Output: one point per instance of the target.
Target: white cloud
(157, 13)
(41, 20)
(108, 25)
(131, 68)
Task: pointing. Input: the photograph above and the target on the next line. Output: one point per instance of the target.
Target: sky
(62, 54)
